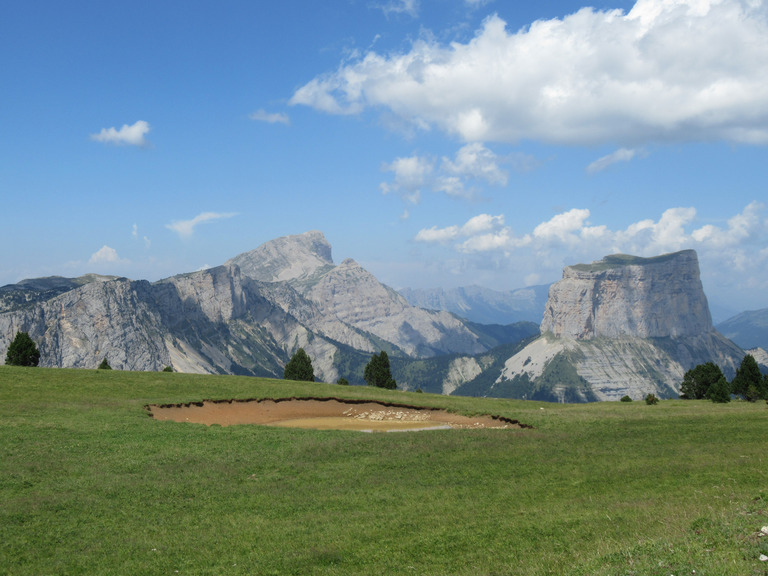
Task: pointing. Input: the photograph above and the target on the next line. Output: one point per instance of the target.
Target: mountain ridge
(246, 316)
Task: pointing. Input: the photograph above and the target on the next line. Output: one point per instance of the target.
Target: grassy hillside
(89, 484)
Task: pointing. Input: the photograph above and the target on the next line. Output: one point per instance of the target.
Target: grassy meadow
(90, 484)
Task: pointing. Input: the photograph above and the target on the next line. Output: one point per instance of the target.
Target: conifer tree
(22, 351)
(697, 381)
(299, 367)
(747, 376)
(378, 373)
(720, 391)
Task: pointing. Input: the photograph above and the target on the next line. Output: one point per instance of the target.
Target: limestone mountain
(245, 317)
(624, 325)
(347, 296)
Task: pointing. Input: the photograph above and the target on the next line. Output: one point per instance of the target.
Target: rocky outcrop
(348, 303)
(79, 328)
(294, 259)
(621, 326)
(629, 296)
(354, 296)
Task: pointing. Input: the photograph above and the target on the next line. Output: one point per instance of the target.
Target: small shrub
(104, 365)
(626, 399)
(167, 369)
(343, 382)
(651, 399)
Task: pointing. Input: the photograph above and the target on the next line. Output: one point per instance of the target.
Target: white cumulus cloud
(185, 228)
(668, 70)
(411, 174)
(105, 254)
(133, 135)
(732, 252)
(473, 162)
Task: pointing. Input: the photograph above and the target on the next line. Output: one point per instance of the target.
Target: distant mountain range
(483, 305)
(247, 316)
(748, 329)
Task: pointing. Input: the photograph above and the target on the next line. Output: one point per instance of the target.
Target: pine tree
(105, 365)
(299, 367)
(748, 375)
(378, 373)
(22, 351)
(720, 391)
(698, 380)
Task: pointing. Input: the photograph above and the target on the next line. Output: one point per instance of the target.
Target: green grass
(89, 484)
(621, 260)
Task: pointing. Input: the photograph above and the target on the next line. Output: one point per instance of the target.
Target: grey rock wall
(629, 296)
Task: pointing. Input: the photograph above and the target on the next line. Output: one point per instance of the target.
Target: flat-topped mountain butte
(621, 325)
(247, 316)
(624, 295)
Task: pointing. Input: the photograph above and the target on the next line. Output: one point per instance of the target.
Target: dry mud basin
(324, 414)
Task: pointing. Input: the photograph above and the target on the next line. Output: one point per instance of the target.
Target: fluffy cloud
(732, 254)
(185, 228)
(103, 255)
(477, 161)
(473, 162)
(411, 175)
(478, 225)
(270, 118)
(668, 70)
(735, 247)
(127, 135)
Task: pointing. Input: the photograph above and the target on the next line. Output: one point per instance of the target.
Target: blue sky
(437, 142)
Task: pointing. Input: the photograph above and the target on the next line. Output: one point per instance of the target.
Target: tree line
(377, 372)
(707, 381)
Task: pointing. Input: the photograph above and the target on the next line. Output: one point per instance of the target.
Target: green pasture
(90, 484)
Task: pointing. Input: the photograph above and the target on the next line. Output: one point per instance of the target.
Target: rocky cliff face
(629, 296)
(293, 259)
(621, 326)
(245, 317)
(350, 304)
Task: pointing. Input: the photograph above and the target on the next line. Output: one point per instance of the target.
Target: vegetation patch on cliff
(620, 260)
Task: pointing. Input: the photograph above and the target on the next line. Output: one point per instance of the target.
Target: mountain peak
(624, 295)
(287, 258)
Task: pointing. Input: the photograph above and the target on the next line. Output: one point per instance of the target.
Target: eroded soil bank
(324, 414)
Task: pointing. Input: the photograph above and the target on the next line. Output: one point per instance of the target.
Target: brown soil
(324, 414)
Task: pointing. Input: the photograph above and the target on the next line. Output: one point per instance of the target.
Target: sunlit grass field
(90, 484)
